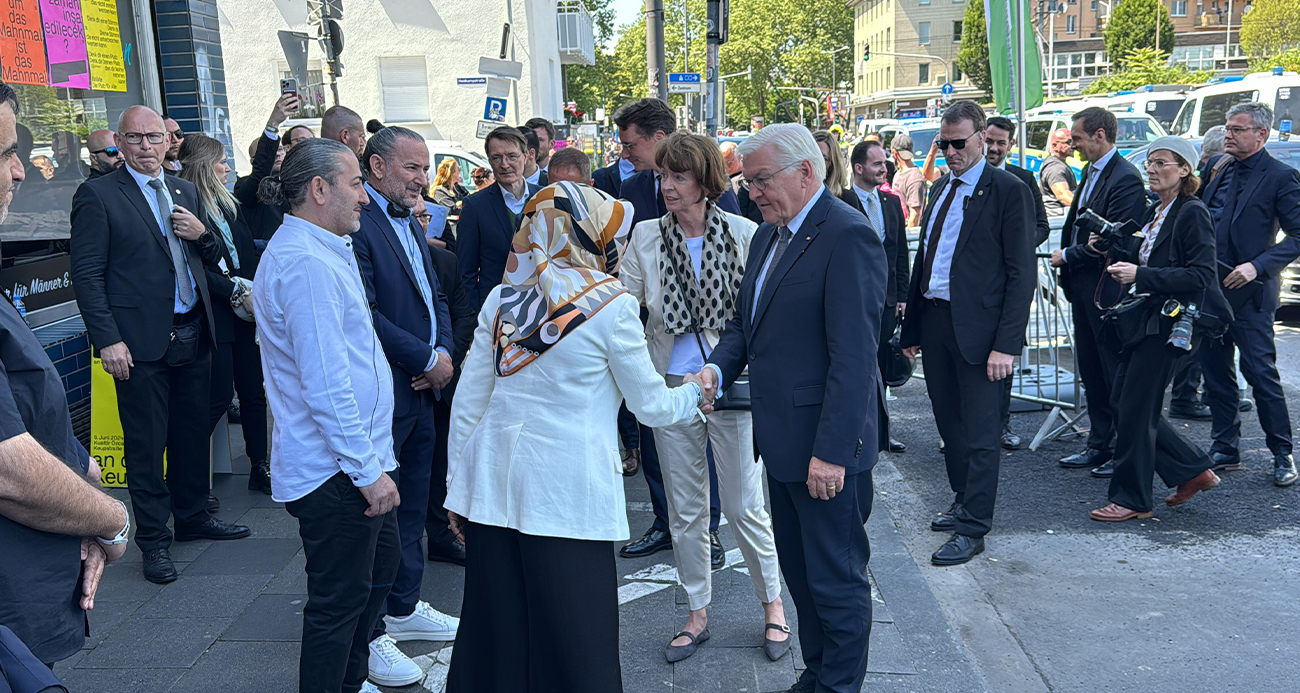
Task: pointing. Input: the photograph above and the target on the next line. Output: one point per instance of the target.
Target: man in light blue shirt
(412, 319)
(332, 399)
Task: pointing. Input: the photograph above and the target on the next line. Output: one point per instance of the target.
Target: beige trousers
(740, 491)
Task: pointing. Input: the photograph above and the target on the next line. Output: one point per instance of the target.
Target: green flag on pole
(999, 16)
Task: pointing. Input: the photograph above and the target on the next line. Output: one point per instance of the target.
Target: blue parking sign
(495, 109)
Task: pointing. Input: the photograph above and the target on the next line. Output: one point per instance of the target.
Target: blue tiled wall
(72, 358)
(193, 70)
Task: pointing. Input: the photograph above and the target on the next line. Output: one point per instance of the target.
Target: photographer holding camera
(1171, 299)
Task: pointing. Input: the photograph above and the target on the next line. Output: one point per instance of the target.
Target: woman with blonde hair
(686, 268)
(237, 360)
(837, 172)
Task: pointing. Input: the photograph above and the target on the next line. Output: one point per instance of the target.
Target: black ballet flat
(775, 649)
(677, 653)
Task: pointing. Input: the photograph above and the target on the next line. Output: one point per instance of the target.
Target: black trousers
(351, 560)
(968, 410)
(1187, 380)
(237, 365)
(413, 440)
(1145, 442)
(436, 523)
(1096, 365)
(823, 550)
(520, 592)
(1252, 333)
(162, 408)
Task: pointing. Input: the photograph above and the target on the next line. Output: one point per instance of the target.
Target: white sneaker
(389, 666)
(426, 623)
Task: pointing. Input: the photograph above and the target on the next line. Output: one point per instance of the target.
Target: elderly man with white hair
(807, 328)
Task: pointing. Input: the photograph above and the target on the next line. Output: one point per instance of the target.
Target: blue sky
(628, 10)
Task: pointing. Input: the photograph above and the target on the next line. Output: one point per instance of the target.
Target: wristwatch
(121, 537)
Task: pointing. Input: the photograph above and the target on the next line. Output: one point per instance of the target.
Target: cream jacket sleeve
(654, 404)
(474, 390)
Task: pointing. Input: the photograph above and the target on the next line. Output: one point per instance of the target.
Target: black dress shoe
(212, 528)
(897, 447)
(214, 504)
(947, 520)
(807, 683)
(717, 555)
(653, 541)
(958, 550)
(447, 552)
(1010, 441)
(1105, 471)
(1087, 459)
(259, 477)
(158, 566)
(1284, 473)
(1225, 462)
(1191, 411)
(1245, 405)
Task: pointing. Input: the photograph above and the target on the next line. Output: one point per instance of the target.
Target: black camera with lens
(1109, 234)
(1180, 335)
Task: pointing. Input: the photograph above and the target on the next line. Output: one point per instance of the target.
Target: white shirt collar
(1101, 163)
(514, 203)
(342, 245)
(972, 175)
(1002, 166)
(797, 221)
(861, 191)
(142, 179)
(535, 178)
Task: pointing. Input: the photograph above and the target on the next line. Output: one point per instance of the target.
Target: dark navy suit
(483, 237)
(1249, 201)
(608, 179)
(810, 347)
(405, 330)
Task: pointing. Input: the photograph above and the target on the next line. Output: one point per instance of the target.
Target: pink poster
(65, 43)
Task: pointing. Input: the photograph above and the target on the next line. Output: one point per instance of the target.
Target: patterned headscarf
(556, 276)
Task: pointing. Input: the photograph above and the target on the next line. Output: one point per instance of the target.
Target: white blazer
(640, 274)
(537, 451)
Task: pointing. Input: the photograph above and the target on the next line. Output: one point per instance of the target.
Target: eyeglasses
(138, 137)
(1157, 165)
(178, 134)
(956, 144)
(761, 182)
(1238, 131)
(109, 151)
(496, 159)
(424, 218)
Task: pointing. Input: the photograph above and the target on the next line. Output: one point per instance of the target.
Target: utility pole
(654, 49)
(716, 30)
(1227, 38)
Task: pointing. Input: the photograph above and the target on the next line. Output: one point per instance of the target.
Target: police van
(1160, 101)
(1208, 106)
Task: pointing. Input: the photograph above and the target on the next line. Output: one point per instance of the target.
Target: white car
(468, 161)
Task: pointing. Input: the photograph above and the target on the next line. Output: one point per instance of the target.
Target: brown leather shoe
(631, 461)
(1117, 513)
(1204, 481)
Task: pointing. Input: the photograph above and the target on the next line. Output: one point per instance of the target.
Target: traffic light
(866, 52)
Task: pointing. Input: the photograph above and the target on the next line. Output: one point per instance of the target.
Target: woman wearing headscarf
(1168, 269)
(534, 482)
(237, 360)
(686, 268)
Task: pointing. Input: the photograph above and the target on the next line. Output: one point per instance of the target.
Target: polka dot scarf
(711, 301)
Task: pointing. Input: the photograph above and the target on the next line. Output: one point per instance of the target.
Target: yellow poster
(104, 47)
(106, 443)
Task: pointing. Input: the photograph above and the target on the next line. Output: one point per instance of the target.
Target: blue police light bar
(1277, 71)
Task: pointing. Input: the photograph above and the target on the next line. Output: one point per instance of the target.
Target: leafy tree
(973, 58)
(1272, 26)
(1132, 25)
(1147, 66)
(1289, 60)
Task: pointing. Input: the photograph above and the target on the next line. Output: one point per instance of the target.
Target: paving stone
(156, 643)
(888, 654)
(246, 557)
(272, 617)
(205, 596)
(125, 583)
(443, 587)
(270, 523)
(243, 667)
(732, 670)
(291, 580)
(81, 680)
(106, 617)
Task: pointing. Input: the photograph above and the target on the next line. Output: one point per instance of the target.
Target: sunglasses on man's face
(956, 144)
(107, 151)
(178, 134)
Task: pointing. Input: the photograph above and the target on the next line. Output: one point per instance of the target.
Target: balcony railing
(577, 38)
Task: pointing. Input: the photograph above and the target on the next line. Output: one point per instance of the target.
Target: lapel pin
(980, 193)
(807, 238)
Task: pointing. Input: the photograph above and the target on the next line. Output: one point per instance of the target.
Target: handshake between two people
(707, 379)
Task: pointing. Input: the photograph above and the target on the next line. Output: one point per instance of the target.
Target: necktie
(173, 244)
(873, 213)
(936, 230)
(782, 242)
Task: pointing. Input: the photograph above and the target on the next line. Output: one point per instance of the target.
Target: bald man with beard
(104, 154)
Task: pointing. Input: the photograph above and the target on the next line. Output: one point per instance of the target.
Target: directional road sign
(684, 83)
(947, 89)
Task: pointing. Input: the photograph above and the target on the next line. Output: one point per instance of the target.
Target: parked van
(1160, 101)
(1208, 106)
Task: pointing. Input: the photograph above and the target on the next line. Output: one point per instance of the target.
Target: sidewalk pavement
(232, 622)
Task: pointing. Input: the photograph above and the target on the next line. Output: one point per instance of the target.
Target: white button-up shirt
(941, 266)
(178, 306)
(327, 380)
(514, 204)
(871, 206)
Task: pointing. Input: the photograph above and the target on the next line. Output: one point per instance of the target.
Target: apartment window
(1094, 5)
(923, 33)
(1071, 24)
(405, 86)
(957, 75)
(1178, 8)
(956, 32)
(889, 38)
(923, 74)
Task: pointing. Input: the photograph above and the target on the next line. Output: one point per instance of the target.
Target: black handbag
(898, 368)
(1125, 323)
(734, 398)
(183, 345)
